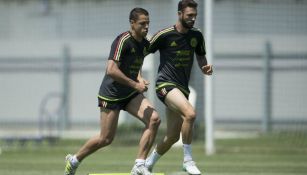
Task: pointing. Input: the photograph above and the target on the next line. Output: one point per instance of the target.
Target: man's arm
(203, 65)
(141, 79)
(114, 72)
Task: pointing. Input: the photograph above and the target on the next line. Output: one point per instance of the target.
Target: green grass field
(278, 154)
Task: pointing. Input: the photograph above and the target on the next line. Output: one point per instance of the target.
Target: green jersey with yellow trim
(176, 54)
(129, 54)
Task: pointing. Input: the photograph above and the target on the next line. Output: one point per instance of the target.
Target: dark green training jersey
(176, 55)
(130, 54)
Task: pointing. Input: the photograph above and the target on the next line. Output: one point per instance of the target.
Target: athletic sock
(74, 161)
(139, 162)
(187, 153)
(153, 158)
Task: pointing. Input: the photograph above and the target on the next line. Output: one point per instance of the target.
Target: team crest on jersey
(193, 42)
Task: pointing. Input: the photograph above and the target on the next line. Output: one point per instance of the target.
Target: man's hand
(207, 69)
(145, 81)
(142, 85)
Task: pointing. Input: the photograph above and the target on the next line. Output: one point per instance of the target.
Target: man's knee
(173, 139)
(155, 119)
(190, 115)
(104, 141)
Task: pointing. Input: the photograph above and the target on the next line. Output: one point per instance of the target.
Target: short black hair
(186, 3)
(136, 12)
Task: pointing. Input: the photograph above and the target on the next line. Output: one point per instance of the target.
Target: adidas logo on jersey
(132, 50)
(173, 44)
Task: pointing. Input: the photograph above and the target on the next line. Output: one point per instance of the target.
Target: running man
(177, 45)
(122, 89)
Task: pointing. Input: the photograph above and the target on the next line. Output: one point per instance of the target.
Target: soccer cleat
(191, 168)
(140, 170)
(69, 168)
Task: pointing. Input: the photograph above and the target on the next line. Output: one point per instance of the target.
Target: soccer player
(122, 89)
(177, 45)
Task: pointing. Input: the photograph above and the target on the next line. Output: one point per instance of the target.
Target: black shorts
(163, 91)
(115, 105)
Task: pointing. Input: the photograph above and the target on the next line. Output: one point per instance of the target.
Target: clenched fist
(207, 69)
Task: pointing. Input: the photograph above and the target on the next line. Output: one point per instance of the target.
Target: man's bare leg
(143, 110)
(108, 124)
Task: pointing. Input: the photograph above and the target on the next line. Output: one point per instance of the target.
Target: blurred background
(53, 55)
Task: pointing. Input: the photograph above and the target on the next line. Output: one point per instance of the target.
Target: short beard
(186, 25)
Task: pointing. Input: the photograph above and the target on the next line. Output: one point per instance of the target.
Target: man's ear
(132, 21)
(179, 12)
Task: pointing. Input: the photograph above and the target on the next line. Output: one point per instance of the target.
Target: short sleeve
(200, 48)
(118, 48)
(155, 42)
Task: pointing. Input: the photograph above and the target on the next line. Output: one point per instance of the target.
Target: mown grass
(275, 154)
